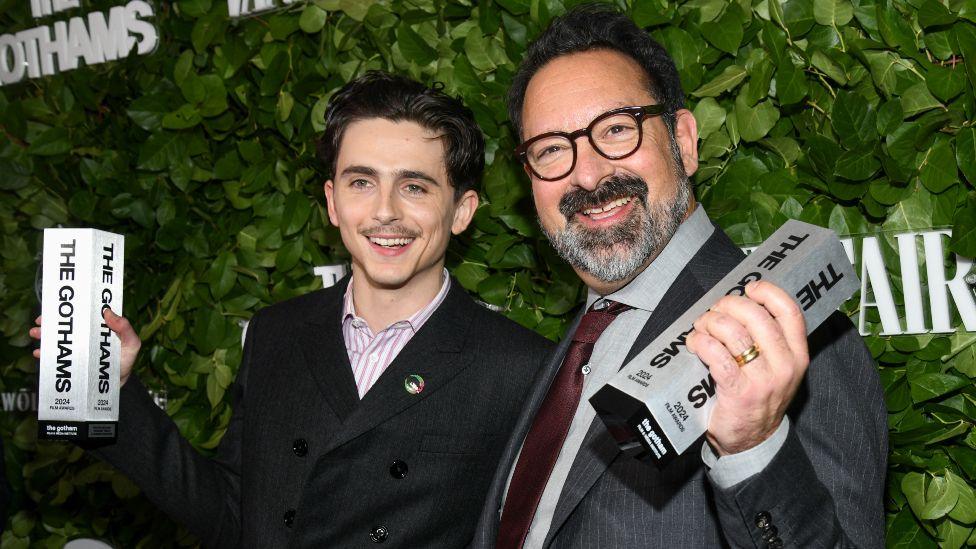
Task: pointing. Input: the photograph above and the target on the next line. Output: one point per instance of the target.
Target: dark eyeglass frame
(639, 113)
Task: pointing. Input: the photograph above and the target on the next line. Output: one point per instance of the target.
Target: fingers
(721, 364)
(122, 328)
(765, 331)
(787, 313)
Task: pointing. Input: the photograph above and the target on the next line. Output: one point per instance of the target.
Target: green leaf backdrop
(852, 114)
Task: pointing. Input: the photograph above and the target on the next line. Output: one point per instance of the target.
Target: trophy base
(77, 431)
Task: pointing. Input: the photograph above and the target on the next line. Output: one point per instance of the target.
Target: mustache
(389, 230)
(618, 186)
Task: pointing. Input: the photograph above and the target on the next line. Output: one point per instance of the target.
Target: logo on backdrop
(240, 8)
(95, 37)
(927, 295)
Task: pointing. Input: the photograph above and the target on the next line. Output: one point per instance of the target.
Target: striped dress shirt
(369, 353)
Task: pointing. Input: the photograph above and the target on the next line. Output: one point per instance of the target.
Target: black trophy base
(77, 431)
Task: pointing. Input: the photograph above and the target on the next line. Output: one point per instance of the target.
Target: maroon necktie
(548, 431)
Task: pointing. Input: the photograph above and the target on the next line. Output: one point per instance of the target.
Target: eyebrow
(398, 174)
(359, 170)
(415, 174)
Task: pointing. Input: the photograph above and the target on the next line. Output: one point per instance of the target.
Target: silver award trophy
(659, 404)
(78, 393)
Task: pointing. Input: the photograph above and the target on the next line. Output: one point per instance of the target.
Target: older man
(794, 456)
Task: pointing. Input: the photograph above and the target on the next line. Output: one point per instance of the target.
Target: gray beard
(616, 254)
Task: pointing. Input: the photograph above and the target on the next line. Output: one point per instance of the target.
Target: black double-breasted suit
(305, 462)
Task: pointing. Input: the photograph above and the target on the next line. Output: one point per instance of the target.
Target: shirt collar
(647, 288)
(414, 321)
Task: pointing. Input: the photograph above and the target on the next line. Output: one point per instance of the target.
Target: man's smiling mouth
(397, 242)
(607, 209)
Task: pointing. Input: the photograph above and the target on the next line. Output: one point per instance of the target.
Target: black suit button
(775, 543)
(763, 520)
(769, 533)
(300, 447)
(289, 517)
(398, 469)
(379, 534)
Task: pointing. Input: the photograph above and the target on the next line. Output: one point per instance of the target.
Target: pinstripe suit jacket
(823, 489)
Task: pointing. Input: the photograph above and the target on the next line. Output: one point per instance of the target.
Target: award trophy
(78, 393)
(659, 404)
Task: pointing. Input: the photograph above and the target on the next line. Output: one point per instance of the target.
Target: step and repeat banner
(189, 127)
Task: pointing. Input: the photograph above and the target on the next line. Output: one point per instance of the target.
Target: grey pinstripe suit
(823, 489)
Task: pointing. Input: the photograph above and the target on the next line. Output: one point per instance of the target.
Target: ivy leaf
(963, 240)
(933, 14)
(297, 209)
(755, 122)
(313, 19)
(833, 13)
(945, 83)
(932, 385)
(917, 99)
(857, 165)
(476, 49)
(221, 275)
(853, 120)
(726, 33)
(966, 153)
(965, 508)
(791, 85)
(710, 117)
(938, 170)
(414, 47)
(940, 498)
(52, 142)
(732, 76)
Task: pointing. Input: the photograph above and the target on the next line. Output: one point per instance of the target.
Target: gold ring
(748, 356)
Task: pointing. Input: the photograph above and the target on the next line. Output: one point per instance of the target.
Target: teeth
(389, 242)
(607, 207)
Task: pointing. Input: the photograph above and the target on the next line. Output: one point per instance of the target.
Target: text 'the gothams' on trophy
(659, 404)
(78, 393)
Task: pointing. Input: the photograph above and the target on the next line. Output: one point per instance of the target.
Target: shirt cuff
(727, 471)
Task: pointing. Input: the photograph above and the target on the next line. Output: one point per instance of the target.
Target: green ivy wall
(852, 114)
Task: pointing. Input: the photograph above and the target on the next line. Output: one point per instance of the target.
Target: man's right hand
(121, 327)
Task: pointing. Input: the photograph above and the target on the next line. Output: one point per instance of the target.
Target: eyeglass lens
(614, 136)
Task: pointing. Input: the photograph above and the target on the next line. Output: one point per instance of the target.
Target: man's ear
(464, 210)
(330, 202)
(686, 133)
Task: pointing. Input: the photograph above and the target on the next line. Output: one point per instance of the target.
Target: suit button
(289, 517)
(300, 447)
(762, 520)
(398, 469)
(769, 533)
(379, 534)
(775, 543)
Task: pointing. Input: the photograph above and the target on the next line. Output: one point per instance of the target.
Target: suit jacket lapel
(435, 353)
(540, 388)
(599, 449)
(324, 349)
(715, 258)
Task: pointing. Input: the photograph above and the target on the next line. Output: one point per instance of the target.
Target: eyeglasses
(614, 134)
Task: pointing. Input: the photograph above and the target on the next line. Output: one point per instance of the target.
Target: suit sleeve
(203, 494)
(825, 486)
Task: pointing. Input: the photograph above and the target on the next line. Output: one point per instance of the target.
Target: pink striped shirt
(370, 354)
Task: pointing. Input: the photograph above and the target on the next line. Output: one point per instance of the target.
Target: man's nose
(387, 206)
(591, 167)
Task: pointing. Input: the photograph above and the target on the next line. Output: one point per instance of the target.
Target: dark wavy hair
(595, 27)
(378, 94)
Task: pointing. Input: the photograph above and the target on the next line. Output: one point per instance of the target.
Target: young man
(794, 456)
(373, 411)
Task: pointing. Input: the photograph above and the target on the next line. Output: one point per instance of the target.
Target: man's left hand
(751, 399)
